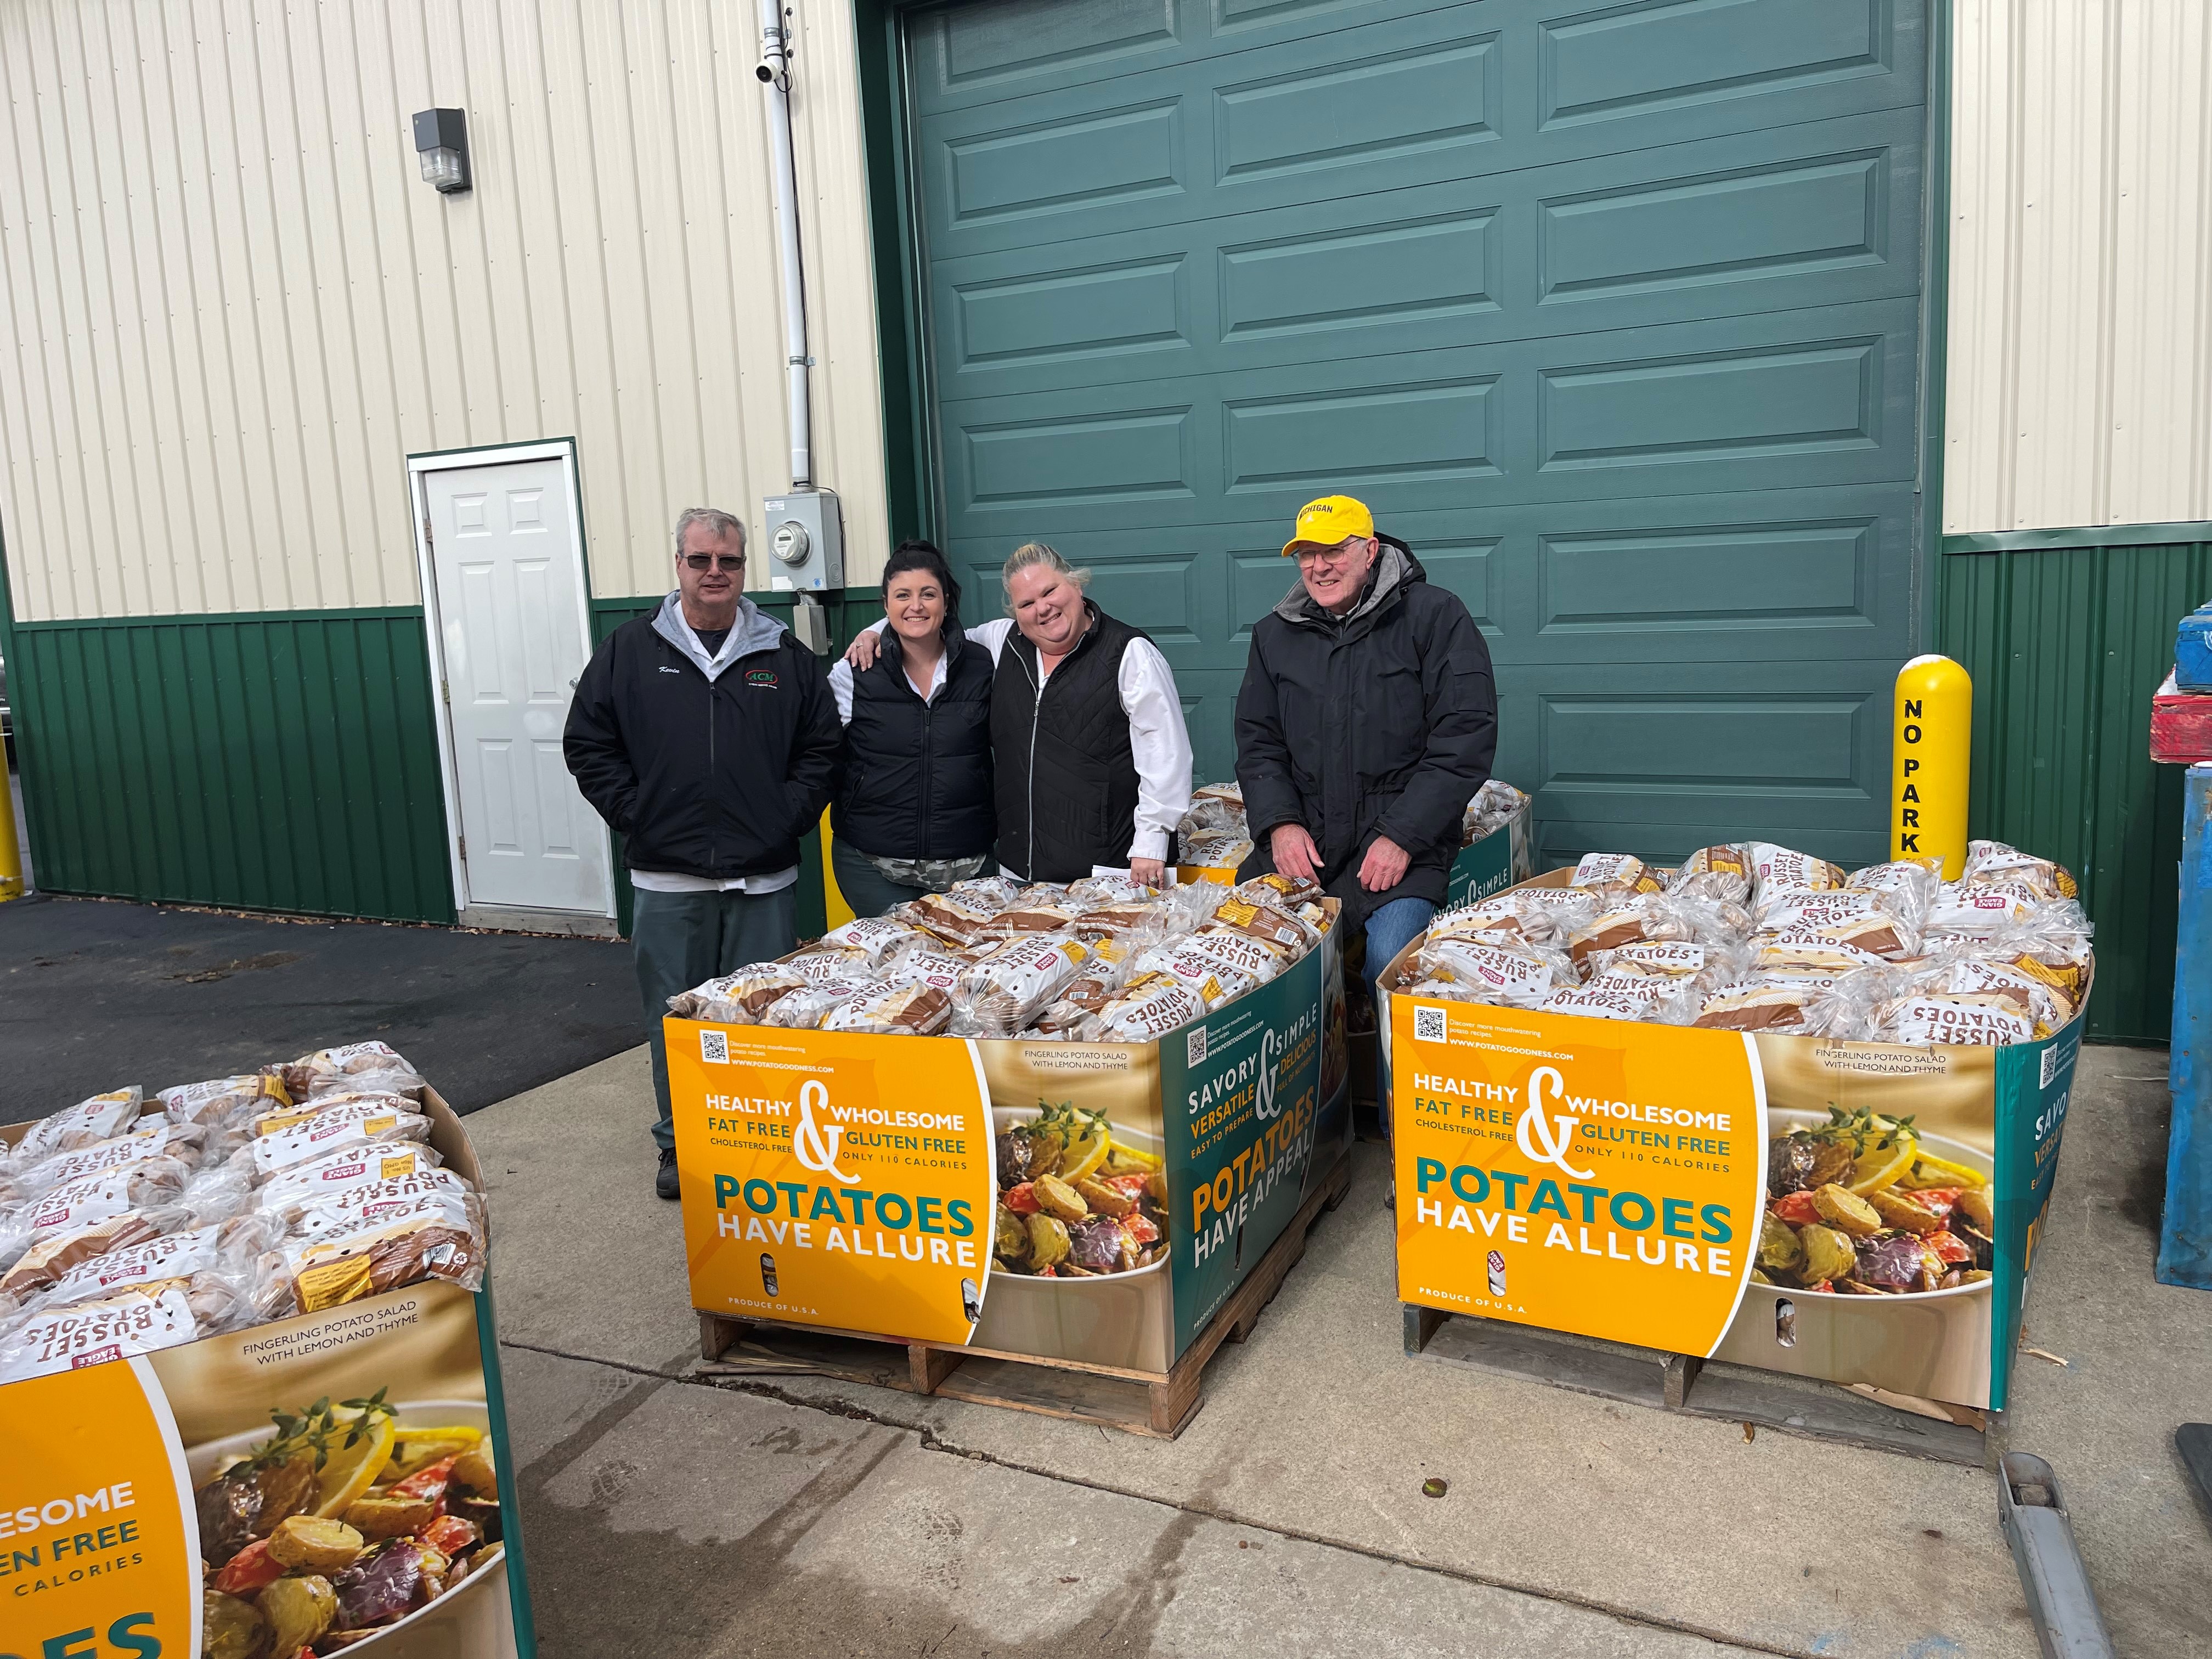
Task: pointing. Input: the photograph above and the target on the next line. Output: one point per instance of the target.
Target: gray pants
(867, 889)
(683, 940)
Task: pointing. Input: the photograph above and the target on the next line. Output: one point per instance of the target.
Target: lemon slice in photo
(1879, 1168)
(349, 1470)
(1085, 1154)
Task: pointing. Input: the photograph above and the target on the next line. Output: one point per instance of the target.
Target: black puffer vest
(918, 775)
(1066, 776)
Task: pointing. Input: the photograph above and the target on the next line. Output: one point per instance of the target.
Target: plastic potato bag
(1236, 953)
(1220, 850)
(925, 965)
(111, 1193)
(137, 1321)
(162, 1139)
(1617, 873)
(874, 937)
(897, 1011)
(101, 1118)
(739, 999)
(226, 1248)
(1518, 978)
(1094, 892)
(1027, 917)
(224, 1102)
(818, 964)
(1500, 922)
(2042, 1002)
(1882, 936)
(357, 1121)
(1785, 866)
(1213, 983)
(434, 1237)
(53, 1254)
(1148, 1008)
(354, 1068)
(1007, 988)
(1607, 1002)
(960, 916)
(1992, 860)
(1490, 810)
(1987, 1021)
(1552, 913)
(1278, 930)
(1723, 872)
(362, 1164)
(1758, 1008)
(1983, 907)
(1648, 919)
(803, 1011)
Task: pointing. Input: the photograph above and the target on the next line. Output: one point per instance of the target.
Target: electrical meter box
(805, 542)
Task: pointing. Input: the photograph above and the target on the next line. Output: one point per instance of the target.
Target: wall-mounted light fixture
(442, 142)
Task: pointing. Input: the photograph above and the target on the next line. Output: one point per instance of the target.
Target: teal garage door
(1612, 311)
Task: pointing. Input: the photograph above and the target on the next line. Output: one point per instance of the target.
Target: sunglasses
(716, 560)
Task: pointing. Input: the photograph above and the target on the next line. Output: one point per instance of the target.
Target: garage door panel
(1695, 230)
(1781, 577)
(1445, 95)
(1789, 400)
(1609, 307)
(1643, 61)
(980, 52)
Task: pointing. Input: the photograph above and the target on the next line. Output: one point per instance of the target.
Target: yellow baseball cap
(1328, 522)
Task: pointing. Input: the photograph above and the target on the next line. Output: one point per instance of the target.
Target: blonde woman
(1089, 754)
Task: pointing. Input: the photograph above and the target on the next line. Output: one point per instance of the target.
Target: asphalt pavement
(98, 994)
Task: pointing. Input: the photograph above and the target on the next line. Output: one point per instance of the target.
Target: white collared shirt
(1159, 741)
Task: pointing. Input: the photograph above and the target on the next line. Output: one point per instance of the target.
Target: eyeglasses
(1306, 556)
(716, 560)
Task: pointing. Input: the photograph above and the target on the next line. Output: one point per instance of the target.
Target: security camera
(765, 73)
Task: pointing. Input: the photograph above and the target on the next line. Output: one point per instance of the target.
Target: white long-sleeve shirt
(1159, 742)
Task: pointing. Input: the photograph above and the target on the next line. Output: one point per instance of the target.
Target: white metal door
(510, 614)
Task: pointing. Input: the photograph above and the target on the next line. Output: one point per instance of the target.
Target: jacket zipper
(1036, 714)
(928, 789)
(714, 841)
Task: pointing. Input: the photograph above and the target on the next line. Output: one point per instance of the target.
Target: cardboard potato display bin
(111, 1478)
(1610, 1178)
(848, 1181)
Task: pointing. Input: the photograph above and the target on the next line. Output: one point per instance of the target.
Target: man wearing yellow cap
(1366, 722)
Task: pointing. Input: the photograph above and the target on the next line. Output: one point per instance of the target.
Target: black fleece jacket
(717, 778)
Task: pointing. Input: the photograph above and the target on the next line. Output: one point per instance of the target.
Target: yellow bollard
(11, 851)
(1929, 762)
(836, 912)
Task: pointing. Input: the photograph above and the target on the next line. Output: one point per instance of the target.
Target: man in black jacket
(706, 736)
(1366, 722)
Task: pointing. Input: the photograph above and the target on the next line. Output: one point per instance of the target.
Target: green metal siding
(2066, 646)
(266, 761)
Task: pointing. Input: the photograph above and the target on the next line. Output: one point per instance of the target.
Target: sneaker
(664, 1182)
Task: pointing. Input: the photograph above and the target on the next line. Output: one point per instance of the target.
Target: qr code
(2050, 1064)
(1193, 1046)
(1428, 1024)
(714, 1046)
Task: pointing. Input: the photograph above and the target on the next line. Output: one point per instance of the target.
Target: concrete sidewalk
(800, 1516)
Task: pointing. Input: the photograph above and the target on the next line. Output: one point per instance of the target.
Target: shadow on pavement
(96, 993)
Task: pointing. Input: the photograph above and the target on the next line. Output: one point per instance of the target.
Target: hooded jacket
(710, 765)
(1381, 722)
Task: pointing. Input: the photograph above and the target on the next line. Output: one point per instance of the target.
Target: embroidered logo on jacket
(760, 677)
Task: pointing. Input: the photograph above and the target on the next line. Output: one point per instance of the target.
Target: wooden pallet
(1683, 1382)
(1153, 1403)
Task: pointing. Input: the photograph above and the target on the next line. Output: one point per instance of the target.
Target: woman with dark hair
(914, 814)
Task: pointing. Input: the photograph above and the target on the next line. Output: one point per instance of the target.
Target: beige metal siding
(229, 306)
(2080, 388)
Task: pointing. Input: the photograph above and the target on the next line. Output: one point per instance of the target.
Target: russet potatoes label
(834, 1178)
(97, 1549)
(1598, 1177)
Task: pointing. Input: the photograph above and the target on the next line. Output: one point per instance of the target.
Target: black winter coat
(1068, 781)
(716, 778)
(1383, 723)
(918, 775)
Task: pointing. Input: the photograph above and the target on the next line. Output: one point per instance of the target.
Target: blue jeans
(1390, 929)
